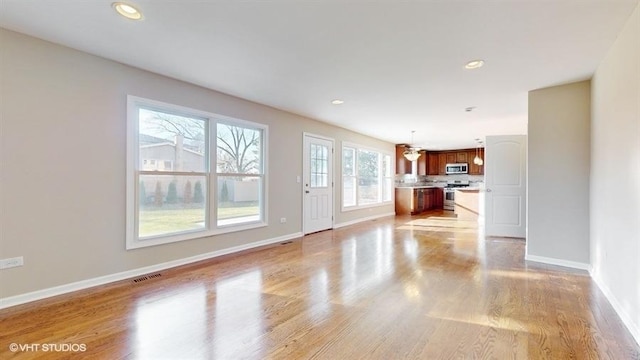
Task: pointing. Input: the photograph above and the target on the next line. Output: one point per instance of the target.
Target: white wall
(558, 175)
(62, 165)
(615, 175)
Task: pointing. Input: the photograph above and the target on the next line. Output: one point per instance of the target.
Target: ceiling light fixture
(337, 102)
(474, 64)
(478, 160)
(127, 10)
(411, 153)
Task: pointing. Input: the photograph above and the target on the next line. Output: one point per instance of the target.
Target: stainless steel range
(449, 192)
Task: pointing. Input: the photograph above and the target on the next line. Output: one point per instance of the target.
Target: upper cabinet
(473, 168)
(423, 163)
(442, 161)
(434, 162)
(461, 157)
(403, 166)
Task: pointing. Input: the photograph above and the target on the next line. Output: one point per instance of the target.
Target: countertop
(418, 187)
(470, 188)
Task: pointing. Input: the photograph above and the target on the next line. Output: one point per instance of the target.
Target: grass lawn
(175, 218)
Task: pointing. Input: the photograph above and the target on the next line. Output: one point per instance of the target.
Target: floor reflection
(239, 319)
(164, 323)
(366, 262)
(319, 302)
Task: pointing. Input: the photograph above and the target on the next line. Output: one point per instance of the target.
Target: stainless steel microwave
(461, 168)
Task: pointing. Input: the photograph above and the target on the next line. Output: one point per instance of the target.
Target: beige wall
(63, 119)
(615, 175)
(558, 174)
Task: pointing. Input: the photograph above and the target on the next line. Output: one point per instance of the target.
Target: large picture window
(366, 177)
(178, 188)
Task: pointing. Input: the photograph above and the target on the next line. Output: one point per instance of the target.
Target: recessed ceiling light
(337, 102)
(128, 11)
(474, 64)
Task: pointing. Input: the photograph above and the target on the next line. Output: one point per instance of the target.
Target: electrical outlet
(283, 220)
(11, 262)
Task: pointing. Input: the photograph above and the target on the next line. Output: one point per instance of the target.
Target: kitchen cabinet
(439, 198)
(433, 167)
(403, 166)
(416, 200)
(473, 168)
(461, 157)
(451, 157)
(423, 163)
(442, 162)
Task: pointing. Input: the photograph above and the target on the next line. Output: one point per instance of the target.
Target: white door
(318, 184)
(506, 185)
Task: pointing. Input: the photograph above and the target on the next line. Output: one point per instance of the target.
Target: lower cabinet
(416, 200)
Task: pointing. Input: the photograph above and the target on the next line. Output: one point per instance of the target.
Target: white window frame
(133, 168)
(381, 177)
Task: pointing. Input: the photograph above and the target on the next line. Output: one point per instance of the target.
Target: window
(172, 192)
(366, 177)
(240, 173)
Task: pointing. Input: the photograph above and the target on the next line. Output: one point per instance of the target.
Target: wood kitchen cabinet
(412, 201)
(451, 157)
(442, 162)
(423, 163)
(438, 198)
(433, 167)
(403, 166)
(473, 168)
(434, 162)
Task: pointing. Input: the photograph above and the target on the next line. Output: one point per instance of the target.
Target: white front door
(318, 184)
(506, 185)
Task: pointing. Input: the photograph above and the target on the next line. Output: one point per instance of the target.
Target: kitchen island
(469, 204)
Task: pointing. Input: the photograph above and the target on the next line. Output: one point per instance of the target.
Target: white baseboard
(559, 262)
(634, 328)
(368, 218)
(88, 283)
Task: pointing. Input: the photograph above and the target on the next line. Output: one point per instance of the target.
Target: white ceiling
(398, 65)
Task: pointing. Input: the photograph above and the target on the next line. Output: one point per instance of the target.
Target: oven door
(449, 203)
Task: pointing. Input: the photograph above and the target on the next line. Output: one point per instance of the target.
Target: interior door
(318, 184)
(506, 185)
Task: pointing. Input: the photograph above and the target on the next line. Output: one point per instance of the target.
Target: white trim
(368, 218)
(559, 262)
(101, 280)
(133, 170)
(357, 147)
(367, 206)
(633, 328)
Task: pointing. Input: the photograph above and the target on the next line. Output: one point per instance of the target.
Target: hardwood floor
(427, 287)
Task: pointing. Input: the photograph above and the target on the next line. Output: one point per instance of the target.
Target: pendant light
(411, 153)
(478, 160)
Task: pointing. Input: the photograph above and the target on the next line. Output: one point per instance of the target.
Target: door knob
(488, 190)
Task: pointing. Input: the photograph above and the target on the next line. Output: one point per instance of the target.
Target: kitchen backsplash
(420, 179)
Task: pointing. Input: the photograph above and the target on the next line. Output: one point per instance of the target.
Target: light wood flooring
(427, 287)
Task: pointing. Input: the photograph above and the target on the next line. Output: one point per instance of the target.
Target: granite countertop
(418, 187)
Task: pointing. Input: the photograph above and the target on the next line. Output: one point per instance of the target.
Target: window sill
(191, 235)
(368, 206)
